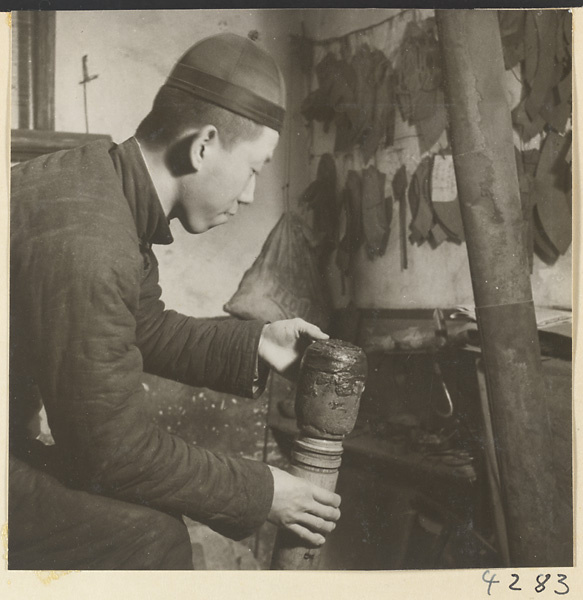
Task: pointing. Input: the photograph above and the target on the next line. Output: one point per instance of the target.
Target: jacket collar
(151, 222)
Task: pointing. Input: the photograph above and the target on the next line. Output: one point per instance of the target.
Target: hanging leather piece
(419, 83)
(376, 226)
(557, 107)
(437, 235)
(352, 240)
(430, 129)
(512, 33)
(444, 200)
(551, 192)
(317, 105)
(544, 248)
(383, 117)
(334, 100)
(527, 207)
(526, 127)
(531, 48)
(320, 198)
(400, 193)
(420, 202)
(364, 67)
(343, 98)
(546, 73)
(541, 244)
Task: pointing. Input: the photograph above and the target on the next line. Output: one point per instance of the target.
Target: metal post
(487, 182)
(330, 384)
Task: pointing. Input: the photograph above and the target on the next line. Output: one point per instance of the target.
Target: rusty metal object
(331, 381)
(487, 181)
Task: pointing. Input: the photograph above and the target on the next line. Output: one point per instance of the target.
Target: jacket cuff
(252, 378)
(263, 498)
(259, 498)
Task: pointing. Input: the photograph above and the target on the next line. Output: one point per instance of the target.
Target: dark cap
(233, 72)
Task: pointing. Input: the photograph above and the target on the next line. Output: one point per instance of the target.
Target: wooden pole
(487, 182)
(44, 69)
(36, 31)
(331, 381)
(25, 39)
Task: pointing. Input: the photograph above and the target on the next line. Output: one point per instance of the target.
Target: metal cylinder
(487, 182)
(330, 384)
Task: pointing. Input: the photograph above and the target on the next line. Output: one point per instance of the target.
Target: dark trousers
(52, 527)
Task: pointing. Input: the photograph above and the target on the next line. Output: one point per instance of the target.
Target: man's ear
(203, 143)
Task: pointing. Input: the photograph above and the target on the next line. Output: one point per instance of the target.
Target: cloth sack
(284, 281)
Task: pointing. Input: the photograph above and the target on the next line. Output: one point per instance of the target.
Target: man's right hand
(299, 506)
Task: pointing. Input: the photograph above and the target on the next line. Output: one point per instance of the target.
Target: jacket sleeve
(80, 298)
(220, 354)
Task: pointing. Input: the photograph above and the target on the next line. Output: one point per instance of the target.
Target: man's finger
(328, 513)
(326, 497)
(316, 524)
(314, 539)
(311, 330)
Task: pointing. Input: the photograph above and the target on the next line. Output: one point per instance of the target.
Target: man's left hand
(282, 343)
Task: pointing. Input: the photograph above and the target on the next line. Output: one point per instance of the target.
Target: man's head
(214, 123)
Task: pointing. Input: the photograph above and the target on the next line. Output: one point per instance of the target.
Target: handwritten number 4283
(541, 580)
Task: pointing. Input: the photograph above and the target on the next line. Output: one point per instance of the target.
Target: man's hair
(175, 112)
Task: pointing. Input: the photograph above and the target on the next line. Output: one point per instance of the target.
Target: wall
(434, 277)
(132, 53)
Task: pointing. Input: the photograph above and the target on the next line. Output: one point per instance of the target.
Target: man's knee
(54, 527)
(166, 543)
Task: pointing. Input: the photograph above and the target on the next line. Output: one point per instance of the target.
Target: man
(87, 320)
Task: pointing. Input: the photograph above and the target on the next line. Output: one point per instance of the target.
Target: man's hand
(305, 509)
(283, 342)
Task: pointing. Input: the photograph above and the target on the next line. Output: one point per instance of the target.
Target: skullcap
(233, 72)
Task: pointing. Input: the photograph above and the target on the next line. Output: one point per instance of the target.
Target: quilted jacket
(87, 320)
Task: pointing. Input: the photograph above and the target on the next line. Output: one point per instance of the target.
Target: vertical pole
(485, 168)
(25, 36)
(331, 381)
(44, 41)
(36, 31)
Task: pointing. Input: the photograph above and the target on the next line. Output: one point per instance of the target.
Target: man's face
(223, 180)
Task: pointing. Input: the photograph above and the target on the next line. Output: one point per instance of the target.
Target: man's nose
(248, 194)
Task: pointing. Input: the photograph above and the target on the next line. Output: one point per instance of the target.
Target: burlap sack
(284, 281)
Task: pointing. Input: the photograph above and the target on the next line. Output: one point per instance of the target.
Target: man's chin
(202, 227)
(193, 229)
